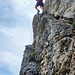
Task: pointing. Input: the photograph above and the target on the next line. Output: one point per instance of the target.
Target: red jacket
(37, 0)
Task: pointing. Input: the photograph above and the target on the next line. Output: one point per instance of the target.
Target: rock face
(53, 48)
(62, 8)
(55, 44)
(26, 66)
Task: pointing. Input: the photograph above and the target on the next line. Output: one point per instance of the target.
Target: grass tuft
(38, 65)
(73, 24)
(32, 56)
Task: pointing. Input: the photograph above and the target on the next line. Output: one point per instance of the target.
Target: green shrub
(38, 65)
(73, 24)
(32, 56)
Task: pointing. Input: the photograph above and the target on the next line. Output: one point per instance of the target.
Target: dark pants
(39, 3)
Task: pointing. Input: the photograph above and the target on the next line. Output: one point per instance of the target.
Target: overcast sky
(15, 32)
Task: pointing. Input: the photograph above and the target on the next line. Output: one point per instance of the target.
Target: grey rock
(56, 37)
(60, 8)
(54, 40)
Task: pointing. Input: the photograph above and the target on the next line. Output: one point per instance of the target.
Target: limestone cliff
(53, 48)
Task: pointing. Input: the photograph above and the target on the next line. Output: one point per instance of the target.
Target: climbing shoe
(38, 12)
(42, 13)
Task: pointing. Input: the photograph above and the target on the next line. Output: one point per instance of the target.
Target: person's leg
(36, 8)
(42, 8)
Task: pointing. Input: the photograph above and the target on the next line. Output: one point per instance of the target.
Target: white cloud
(10, 61)
(17, 8)
(18, 36)
(13, 45)
(15, 31)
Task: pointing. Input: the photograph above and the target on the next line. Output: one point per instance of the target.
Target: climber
(39, 3)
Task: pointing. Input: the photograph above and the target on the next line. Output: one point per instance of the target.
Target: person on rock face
(39, 3)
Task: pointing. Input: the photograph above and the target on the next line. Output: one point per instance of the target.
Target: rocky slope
(61, 8)
(53, 48)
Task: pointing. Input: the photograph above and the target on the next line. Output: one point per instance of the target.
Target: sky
(16, 31)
